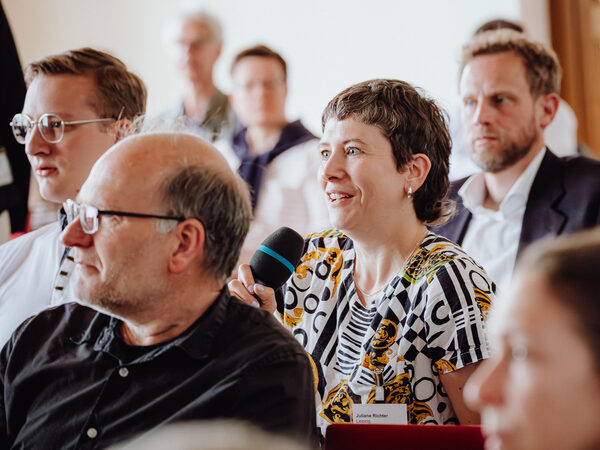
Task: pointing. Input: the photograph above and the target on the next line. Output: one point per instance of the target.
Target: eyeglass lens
(20, 126)
(87, 215)
(50, 126)
(89, 218)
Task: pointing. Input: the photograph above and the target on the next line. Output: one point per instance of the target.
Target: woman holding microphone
(389, 312)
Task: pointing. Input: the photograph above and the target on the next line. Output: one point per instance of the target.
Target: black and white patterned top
(430, 320)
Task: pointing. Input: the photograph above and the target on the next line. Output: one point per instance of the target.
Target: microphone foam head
(277, 257)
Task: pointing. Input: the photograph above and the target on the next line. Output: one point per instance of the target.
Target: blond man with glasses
(78, 104)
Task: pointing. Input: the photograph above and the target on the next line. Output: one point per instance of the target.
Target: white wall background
(329, 44)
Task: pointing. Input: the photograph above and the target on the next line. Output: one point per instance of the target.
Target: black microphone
(275, 260)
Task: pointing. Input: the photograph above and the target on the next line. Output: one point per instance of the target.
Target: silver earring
(409, 194)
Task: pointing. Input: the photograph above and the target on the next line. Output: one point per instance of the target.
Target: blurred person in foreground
(540, 390)
(388, 311)
(210, 435)
(194, 39)
(155, 338)
(277, 158)
(78, 104)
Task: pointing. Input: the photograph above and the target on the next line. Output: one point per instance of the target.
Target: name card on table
(383, 413)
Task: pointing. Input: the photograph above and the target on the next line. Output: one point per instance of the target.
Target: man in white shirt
(78, 104)
(560, 135)
(509, 87)
(278, 159)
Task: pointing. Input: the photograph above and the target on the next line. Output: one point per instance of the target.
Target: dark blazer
(564, 198)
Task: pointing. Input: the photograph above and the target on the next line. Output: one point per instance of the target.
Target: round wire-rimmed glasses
(51, 126)
(88, 215)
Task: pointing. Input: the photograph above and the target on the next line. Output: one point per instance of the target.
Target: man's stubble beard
(510, 153)
(124, 295)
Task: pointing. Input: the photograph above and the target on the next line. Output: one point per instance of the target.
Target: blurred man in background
(509, 85)
(278, 159)
(560, 134)
(194, 38)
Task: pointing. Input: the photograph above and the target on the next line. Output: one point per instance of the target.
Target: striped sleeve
(458, 297)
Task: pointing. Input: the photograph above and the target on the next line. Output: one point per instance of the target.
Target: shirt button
(123, 371)
(92, 433)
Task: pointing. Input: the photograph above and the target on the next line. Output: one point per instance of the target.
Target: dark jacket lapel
(543, 214)
(456, 227)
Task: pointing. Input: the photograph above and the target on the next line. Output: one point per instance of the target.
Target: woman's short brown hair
(413, 123)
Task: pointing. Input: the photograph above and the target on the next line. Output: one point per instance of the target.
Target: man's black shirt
(68, 380)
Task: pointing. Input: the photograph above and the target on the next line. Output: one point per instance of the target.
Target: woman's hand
(244, 286)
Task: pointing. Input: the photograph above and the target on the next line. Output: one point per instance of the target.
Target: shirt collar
(217, 102)
(196, 341)
(473, 192)
(252, 166)
(294, 133)
(62, 218)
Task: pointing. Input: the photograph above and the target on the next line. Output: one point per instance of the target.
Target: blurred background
(329, 44)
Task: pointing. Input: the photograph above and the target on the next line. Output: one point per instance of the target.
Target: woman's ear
(417, 170)
(190, 245)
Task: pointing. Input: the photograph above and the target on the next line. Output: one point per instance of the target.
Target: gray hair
(220, 202)
(196, 13)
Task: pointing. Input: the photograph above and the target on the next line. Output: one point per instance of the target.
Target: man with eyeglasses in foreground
(77, 105)
(155, 231)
